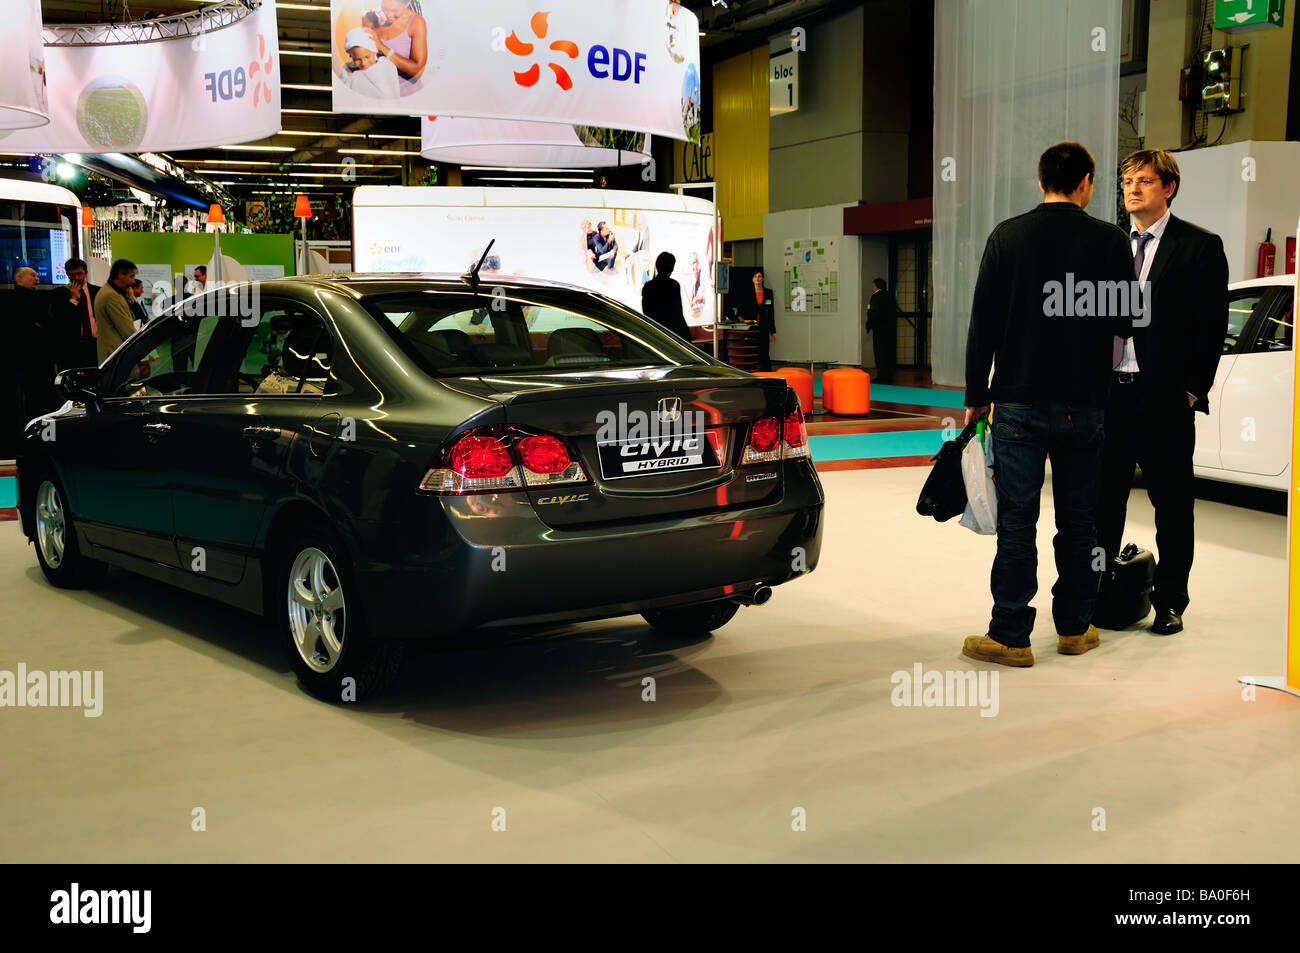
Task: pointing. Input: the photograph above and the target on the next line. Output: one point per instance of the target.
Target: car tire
(691, 620)
(55, 536)
(320, 617)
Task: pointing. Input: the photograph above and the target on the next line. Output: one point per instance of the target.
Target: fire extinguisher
(1267, 256)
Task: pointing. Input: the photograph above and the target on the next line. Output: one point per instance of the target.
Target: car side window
(288, 352)
(1277, 333)
(166, 360)
(1241, 305)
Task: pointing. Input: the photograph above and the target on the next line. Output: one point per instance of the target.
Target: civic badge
(670, 409)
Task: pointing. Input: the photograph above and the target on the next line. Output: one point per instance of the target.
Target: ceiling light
(312, 112)
(302, 6)
(379, 152)
(304, 53)
(389, 135)
(520, 178)
(308, 86)
(506, 168)
(258, 148)
(320, 135)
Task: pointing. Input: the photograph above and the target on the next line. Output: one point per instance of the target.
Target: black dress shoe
(1168, 622)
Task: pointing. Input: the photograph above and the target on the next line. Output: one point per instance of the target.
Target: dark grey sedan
(368, 460)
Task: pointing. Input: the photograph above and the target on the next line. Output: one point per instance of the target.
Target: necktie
(1140, 254)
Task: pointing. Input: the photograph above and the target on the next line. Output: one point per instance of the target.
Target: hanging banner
(627, 64)
(603, 239)
(218, 87)
(22, 81)
(529, 144)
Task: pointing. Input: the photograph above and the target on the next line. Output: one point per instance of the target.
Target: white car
(1247, 436)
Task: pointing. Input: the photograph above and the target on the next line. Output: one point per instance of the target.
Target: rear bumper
(479, 561)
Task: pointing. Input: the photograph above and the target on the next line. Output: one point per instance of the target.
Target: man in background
(200, 280)
(113, 316)
(28, 362)
(72, 319)
(139, 314)
(882, 325)
(1051, 369)
(661, 298)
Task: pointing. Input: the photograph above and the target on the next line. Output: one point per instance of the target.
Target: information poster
(812, 275)
(600, 239)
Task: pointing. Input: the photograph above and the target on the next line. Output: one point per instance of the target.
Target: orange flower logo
(530, 76)
(262, 88)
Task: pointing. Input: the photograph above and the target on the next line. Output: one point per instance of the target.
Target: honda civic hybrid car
(368, 460)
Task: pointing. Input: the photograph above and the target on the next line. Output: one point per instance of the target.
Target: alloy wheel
(51, 525)
(317, 609)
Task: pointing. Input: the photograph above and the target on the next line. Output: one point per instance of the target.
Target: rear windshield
(459, 334)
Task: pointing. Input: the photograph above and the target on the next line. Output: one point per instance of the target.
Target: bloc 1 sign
(782, 77)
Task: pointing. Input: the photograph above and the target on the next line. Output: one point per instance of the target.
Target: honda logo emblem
(670, 409)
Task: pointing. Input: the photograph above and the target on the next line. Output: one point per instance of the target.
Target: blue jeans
(1024, 436)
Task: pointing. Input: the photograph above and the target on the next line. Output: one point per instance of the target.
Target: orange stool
(846, 390)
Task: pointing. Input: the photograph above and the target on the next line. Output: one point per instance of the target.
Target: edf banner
(623, 64)
(193, 92)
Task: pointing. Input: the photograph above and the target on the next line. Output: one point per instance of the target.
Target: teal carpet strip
(869, 446)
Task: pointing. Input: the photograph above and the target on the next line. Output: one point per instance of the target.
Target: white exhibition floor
(787, 707)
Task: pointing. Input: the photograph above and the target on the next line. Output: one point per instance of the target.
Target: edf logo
(602, 62)
(233, 83)
(617, 64)
(226, 85)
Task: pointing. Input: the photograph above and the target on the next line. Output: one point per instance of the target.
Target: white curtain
(1011, 77)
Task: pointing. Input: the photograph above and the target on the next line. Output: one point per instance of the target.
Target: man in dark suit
(661, 298)
(1163, 376)
(72, 319)
(882, 325)
(1054, 289)
(757, 308)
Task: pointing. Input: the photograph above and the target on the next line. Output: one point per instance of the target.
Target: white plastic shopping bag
(981, 497)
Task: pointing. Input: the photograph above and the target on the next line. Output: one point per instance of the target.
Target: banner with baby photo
(624, 64)
(193, 92)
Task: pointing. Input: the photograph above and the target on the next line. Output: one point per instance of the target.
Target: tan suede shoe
(984, 649)
(1078, 644)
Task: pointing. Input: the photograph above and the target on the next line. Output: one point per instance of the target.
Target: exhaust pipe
(755, 597)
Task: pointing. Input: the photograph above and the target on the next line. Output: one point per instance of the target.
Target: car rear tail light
(796, 434)
(764, 444)
(498, 459)
(546, 461)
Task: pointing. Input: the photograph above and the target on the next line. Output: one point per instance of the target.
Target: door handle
(262, 433)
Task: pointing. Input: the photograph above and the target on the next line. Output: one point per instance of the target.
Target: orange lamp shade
(216, 216)
(302, 208)
(87, 217)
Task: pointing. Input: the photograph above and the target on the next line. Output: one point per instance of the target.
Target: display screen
(608, 250)
(38, 235)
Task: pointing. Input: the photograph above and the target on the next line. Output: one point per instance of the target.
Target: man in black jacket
(72, 319)
(757, 307)
(661, 298)
(1055, 287)
(882, 325)
(1163, 376)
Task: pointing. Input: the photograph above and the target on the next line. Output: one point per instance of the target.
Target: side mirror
(81, 385)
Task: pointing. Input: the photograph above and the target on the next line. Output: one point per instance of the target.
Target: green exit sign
(1233, 16)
